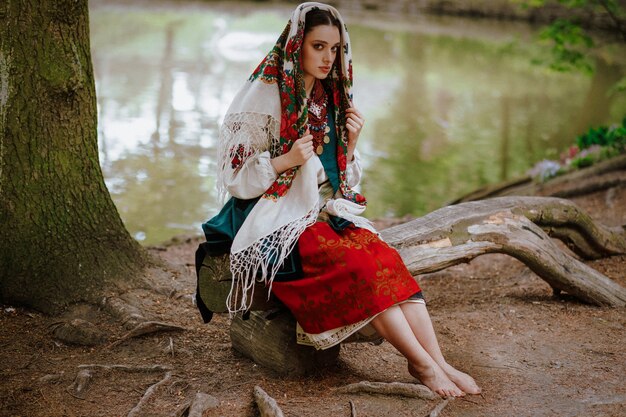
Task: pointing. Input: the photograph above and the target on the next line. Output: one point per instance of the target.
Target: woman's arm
(257, 173)
(251, 178)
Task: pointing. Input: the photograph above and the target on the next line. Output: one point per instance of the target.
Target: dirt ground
(533, 354)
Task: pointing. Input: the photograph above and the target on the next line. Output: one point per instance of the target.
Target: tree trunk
(62, 237)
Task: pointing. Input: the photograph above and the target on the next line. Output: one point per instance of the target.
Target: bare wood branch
(266, 404)
(135, 412)
(390, 388)
(549, 213)
(456, 234)
(145, 328)
(438, 408)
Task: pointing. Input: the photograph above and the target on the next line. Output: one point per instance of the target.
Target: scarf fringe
(266, 256)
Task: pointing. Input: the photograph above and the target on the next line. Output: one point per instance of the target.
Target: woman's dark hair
(319, 17)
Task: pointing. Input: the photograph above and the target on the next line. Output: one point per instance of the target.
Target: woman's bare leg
(419, 320)
(394, 327)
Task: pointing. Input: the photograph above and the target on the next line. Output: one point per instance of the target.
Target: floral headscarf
(283, 66)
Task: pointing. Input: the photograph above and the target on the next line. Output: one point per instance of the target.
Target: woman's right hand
(300, 152)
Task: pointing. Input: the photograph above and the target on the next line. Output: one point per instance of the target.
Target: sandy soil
(533, 354)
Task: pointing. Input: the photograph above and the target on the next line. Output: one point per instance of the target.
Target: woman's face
(320, 47)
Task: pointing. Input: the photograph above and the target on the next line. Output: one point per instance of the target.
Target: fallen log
(215, 282)
(272, 343)
(515, 226)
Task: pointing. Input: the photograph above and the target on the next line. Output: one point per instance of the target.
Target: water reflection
(445, 113)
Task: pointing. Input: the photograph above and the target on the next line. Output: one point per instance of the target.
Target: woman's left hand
(354, 124)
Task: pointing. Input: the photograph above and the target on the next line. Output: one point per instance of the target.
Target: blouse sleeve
(252, 178)
(354, 170)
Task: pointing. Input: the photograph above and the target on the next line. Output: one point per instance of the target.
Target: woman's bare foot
(461, 379)
(435, 379)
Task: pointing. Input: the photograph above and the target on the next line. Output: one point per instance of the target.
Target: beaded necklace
(318, 117)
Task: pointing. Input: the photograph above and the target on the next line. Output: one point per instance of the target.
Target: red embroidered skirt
(348, 276)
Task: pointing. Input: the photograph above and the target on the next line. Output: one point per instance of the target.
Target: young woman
(288, 158)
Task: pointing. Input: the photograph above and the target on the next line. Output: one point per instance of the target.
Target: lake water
(450, 104)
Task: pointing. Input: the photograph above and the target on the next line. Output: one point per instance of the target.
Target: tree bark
(272, 343)
(560, 218)
(62, 237)
(515, 226)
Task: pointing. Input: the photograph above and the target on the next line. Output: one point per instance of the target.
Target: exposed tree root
(170, 347)
(145, 328)
(128, 368)
(79, 387)
(201, 403)
(78, 332)
(437, 410)
(352, 409)
(266, 404)
(135, 412)
(51, 378)
(128, 314)
(197, 407)
(591, 185)
(390, 388)
(182, 410)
